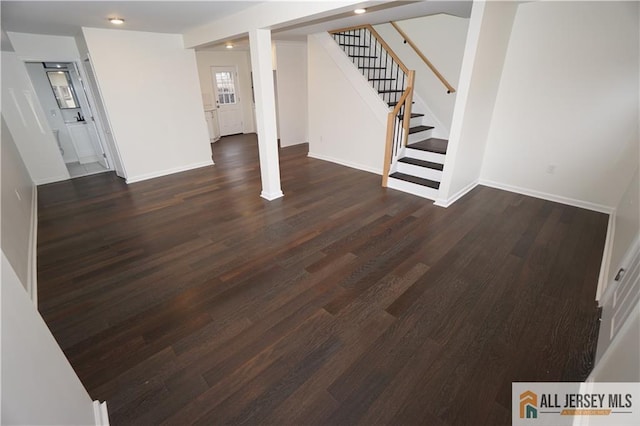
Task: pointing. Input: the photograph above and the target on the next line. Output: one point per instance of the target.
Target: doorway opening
(61, 93)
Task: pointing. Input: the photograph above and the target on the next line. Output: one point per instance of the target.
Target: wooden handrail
(406, 95)
(383, 43)
(406, 38)
(386, 47)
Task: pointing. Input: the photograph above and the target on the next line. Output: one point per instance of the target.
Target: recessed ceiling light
(359, 11)
(116, 21)
(229, 45)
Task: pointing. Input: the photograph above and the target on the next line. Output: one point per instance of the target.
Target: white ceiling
(377, 14)
(382, 13)
(65, 18)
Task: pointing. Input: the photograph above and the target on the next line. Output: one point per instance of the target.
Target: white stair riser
(412, 188)
(416, 121)
(420, 136)
(424, 155)
(419, 171)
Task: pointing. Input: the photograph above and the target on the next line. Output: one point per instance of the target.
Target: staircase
(416, 159)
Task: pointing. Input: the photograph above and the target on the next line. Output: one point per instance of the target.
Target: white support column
(261, 65)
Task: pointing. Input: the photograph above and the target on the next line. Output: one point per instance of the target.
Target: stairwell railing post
(407, 111)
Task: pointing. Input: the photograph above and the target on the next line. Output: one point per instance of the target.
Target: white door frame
(102, 152)
(111, 149)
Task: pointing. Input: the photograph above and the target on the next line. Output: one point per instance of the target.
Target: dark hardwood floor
(188, 299)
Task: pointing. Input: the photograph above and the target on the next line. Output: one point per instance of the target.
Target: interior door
(91, 129)
(225, 86)
(620, 299)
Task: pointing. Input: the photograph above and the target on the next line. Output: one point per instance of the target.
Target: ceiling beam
(267, 15)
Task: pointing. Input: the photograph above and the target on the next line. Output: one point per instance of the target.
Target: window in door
(226, 87)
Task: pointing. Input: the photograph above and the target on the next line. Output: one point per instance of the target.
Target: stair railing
(422, 56)
(389, 76)
(398, 128)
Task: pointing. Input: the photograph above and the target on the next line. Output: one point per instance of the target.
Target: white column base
(272, 196)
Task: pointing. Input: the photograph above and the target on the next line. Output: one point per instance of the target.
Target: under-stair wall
(347, 118)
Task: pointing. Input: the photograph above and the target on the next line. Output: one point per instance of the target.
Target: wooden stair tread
(418, 129)
(417, 180)
(439, 146)
(421, 163)
(413, 115)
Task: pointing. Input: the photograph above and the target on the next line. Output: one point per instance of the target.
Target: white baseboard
(550, 197)
(52, 179)
(605, 264)
(449, 201)
(270, 196)
(32, 261)
(286, 145)
(167, 172)
(345, 163)
(100, 413)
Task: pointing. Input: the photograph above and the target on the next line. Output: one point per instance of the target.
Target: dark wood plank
(189, 299)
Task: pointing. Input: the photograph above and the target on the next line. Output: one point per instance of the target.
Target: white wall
(28, 123)
(441, 38)
(487, 40)
(45, 48)
(240, 59)
(18, 209)
(39, 387)
(343, 127)
(565, 124)
(291, 59)
(150, 88)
